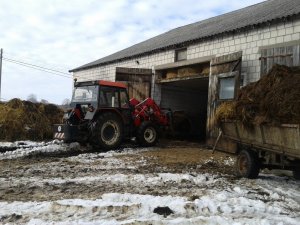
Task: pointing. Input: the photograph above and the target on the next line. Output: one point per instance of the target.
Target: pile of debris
(275, 99)
(24, 120)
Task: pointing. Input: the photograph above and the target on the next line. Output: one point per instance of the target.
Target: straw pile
(226, 110)
(275, 99)
(24, 120)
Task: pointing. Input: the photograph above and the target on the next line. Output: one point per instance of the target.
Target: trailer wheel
(296, 173)
(108, 131)
(247, 164)
(147, 134)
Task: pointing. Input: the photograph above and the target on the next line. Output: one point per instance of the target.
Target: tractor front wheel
(108, 131)
(147, 134)
(247, 164)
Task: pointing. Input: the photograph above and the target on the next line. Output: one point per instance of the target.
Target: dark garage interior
(187, 97)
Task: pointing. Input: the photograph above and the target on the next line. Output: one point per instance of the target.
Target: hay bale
(188, 71)
(23, 120)
(205, 71)
(171, 74)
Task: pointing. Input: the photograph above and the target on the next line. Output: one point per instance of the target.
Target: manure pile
(24, 120)
(275, 99)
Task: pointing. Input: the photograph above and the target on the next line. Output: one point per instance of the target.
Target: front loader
(103, 116)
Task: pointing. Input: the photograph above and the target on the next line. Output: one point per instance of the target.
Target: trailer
(262, 146)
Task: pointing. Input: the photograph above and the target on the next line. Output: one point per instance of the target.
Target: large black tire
(147, 134)
(296, 173)
(247, 164)
(108, 132)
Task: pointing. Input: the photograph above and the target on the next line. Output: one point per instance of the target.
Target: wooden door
(282, 55)
(224, 82)
(138, 81)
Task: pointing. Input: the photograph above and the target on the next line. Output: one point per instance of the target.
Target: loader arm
(148, 110)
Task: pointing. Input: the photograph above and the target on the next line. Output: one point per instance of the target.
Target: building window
(282, 55)
(180, 55)
(226, 88)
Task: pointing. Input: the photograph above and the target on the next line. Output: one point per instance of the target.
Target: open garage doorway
(187, 98)
(184, 90)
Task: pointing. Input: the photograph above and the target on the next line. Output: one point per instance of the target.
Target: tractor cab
(89, 101)
(91, 97)
(84, 100)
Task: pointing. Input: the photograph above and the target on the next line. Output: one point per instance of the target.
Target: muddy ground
(55, 183)
(30, 178)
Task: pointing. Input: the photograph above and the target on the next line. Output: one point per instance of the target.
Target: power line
(30, 60)
(31, 64)
(57, 71)
(40, 68)
(36, 68)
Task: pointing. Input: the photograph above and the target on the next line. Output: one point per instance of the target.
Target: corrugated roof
(240, 19)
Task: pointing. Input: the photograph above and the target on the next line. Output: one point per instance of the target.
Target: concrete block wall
(108, 72)
(250, 42)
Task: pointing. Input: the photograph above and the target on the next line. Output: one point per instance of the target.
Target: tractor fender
(111, 110)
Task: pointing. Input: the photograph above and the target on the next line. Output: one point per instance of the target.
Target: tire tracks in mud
(29, 178)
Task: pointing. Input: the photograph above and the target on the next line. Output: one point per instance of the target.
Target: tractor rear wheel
(147, 134)
(247, 164)
(108, 131)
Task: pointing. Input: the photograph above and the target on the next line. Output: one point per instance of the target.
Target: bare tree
(44, 101)
(32, 98)
(66, 102)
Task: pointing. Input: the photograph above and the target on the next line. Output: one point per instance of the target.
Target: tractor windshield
(85, 94)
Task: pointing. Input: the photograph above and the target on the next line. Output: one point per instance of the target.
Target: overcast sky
(64, 34)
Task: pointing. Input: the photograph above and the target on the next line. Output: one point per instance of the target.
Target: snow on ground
(111, 162)
(224, 207)
(118, 179)
(192, 198)
(29, 148)
(21, 149)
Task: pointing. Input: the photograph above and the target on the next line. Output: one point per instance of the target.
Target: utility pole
(1, 56)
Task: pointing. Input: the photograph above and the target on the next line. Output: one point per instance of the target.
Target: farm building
(194, 68)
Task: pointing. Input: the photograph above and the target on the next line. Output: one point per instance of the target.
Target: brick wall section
(249, 42)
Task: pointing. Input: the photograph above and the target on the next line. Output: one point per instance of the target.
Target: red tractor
(103, 116)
